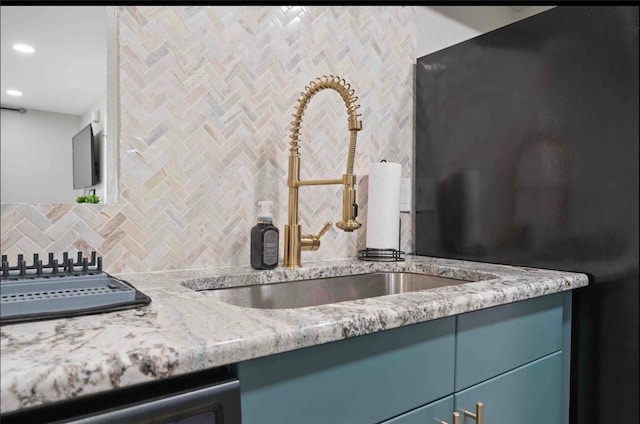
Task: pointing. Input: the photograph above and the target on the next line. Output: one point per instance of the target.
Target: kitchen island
(184, 329)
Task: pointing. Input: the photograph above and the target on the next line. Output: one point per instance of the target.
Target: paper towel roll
(383, 207)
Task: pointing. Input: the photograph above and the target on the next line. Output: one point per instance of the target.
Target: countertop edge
(170, 337)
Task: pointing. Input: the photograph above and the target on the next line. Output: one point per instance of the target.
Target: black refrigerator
(527, 154)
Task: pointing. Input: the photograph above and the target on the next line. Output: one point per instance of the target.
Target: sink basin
(322, 291)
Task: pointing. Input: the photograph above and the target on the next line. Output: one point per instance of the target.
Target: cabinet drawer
(436, 412)
(495, 340)
(360, 380)
(531, 394)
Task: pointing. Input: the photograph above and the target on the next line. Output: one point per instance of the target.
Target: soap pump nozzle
(265, 211)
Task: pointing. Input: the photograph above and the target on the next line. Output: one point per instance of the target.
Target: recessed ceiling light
(14, 93)
(23, 48)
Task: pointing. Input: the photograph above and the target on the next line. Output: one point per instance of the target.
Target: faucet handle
(324, 229)
(312, 241)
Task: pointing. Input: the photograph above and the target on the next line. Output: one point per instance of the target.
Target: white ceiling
(67, 73)
(519, 8)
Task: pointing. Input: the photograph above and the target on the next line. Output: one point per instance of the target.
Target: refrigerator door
(527, 154)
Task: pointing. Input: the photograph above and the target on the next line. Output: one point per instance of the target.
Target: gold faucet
(294, 242)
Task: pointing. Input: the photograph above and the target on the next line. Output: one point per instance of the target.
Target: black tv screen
(85, 172)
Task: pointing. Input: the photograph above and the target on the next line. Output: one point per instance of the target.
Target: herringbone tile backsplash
(206, 98)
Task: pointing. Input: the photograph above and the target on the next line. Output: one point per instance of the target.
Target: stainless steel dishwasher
(205, 397)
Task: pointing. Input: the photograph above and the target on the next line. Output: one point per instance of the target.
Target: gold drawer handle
(478, 416)
(456, 419)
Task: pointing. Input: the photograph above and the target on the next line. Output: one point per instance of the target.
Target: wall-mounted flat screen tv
(85, 169)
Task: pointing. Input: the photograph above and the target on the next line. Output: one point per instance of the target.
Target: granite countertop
(185, 330)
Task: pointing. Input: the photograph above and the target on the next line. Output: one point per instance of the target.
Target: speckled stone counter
(185, 330)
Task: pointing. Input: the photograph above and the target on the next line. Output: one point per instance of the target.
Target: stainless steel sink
(321, 291)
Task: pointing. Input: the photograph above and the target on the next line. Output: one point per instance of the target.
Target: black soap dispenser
(264, 239)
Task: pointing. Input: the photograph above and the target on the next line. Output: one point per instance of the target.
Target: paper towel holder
(381, 255)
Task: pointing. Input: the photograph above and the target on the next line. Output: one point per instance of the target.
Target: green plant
(92, 198)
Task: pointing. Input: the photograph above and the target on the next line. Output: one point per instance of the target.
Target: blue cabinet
(531, 394)
(495, 340)
(365, 379)
(434, 413)
(514, 358)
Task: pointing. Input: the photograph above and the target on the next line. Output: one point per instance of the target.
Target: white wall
(99, 130)
(36, 158)
(443, 26)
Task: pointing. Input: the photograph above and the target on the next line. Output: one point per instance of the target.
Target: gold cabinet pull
(456, 419)
(478, 416)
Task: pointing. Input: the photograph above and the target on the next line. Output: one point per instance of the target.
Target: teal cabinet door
(495, 340)
(365, 379)
(438, 412)
(531, 394)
